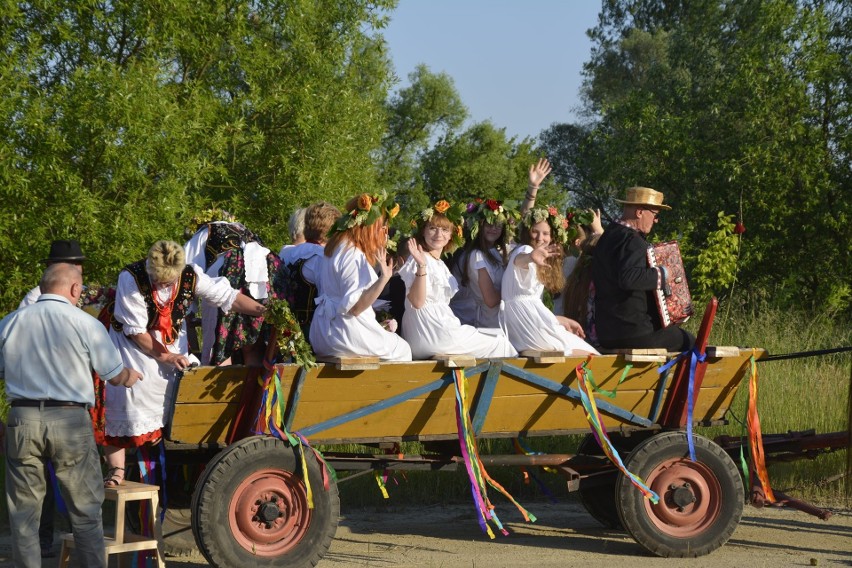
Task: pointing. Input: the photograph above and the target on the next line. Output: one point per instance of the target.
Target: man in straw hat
(626, 315)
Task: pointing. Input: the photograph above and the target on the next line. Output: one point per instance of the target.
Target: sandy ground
(565, 535)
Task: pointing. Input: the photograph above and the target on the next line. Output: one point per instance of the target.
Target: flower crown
(452, 212)
(208, 216)
(561, 229)
(369, 208)
(575, 217)
(492, 212)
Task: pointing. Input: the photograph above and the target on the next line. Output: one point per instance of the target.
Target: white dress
(485, 316)
(335, 332)
(140, 409)
(433, 329)
(531, 326)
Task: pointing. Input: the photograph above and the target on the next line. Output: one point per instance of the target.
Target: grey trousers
(63, 436)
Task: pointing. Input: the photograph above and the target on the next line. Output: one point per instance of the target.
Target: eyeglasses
(652, 212)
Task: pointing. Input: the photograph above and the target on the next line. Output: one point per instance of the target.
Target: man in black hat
(65, 251)
(626, 315)
(61, 252)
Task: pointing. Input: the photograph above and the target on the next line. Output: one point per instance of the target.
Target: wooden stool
(125, 542)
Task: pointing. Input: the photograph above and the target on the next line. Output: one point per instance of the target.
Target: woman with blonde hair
(534, 265)
(344, 322)
(147, 325)
(428, 323)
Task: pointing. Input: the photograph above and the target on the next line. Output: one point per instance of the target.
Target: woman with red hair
(344, 322)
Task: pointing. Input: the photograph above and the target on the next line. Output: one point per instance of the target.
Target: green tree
(483, 162)
(735, 106)
(121, 120)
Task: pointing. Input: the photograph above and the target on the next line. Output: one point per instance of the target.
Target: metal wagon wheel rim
(269, 512)
(690, 497)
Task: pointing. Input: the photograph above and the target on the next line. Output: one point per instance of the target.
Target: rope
(802, 354)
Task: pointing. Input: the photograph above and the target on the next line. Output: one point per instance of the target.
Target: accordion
(677, 306)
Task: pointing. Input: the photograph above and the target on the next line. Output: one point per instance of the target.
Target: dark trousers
(672, 338)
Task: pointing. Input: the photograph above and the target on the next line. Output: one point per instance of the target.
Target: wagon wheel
(701, 501)
(250, 508)
(599, 498)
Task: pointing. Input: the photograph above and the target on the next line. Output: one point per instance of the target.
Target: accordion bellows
(677, 307)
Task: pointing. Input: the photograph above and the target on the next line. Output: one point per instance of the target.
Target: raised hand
(597, 227)
(538, 172)
(541, 254)
(416, 252)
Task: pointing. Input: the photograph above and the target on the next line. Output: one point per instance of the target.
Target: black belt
(47, 403)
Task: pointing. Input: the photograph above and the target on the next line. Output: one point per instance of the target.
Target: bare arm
(126, 378)
(538, 172)
(245, 305)
(371, 294)
(417, 292)
(145, 342)
(490, 295)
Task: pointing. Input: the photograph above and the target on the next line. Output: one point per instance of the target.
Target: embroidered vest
(223, 237)
(185, 295)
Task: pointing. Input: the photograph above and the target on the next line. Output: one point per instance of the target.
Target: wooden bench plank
(722, 351)
(352, 363)
(544, 356)
(455, 361)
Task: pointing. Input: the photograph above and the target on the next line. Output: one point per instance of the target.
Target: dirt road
(565, 535)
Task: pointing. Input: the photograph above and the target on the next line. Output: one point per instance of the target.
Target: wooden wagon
(252, 505)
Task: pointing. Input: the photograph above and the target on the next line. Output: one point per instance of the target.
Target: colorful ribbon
(270, 421)
(473, 464)
(755, 437)
(695, 358)
(599, 430)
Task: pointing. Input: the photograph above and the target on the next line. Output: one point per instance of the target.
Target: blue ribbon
(695, 358)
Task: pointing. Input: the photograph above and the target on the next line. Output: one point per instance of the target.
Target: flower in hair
(492, 212)
(369, 208)
(452, 212)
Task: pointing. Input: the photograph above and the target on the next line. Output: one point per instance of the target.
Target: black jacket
(624, 283)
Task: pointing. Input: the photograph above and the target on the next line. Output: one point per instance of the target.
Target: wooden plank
(722, 351)
(352, 363)
(544, 356)
(639, 358)
(455, 361)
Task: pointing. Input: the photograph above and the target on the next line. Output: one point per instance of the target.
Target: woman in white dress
(486, 254)
(429, 324)
(148, 328)
(535, 264)
(344, 322)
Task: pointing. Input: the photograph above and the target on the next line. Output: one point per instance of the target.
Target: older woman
(296, 279)
(344, 322)
(147, 326)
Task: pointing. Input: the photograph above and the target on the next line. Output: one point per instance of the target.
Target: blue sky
(514, 62)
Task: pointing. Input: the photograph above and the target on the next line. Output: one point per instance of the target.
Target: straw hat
(646, 196)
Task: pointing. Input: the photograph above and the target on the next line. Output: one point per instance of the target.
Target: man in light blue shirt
(47, 354)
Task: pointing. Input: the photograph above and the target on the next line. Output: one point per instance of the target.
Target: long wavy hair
(480, 244)
(369, 239)
(551, 274)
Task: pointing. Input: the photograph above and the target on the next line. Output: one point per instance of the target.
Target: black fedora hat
(65, 251)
